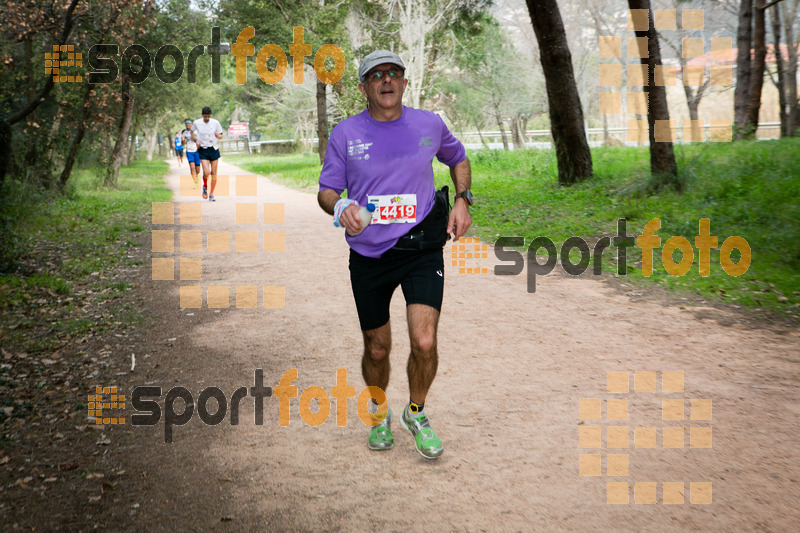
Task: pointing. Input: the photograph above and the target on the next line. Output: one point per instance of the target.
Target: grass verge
(64, 277)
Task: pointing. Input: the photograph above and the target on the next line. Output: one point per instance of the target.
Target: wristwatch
(467, 195)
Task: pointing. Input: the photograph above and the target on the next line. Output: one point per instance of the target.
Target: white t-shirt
(191, 146)
(205, 132)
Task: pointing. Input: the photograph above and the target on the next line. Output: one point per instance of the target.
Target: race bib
(394, 208)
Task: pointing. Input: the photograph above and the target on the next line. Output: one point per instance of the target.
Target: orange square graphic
(644, 381)
(692, 19)
(700, 437)
(617, 464)
(191, 297)
(163, 269)
(694, 75)
(721, 75)
(589, 464)
(610, 47)
(617, 492)
(610, 75)
(589, 409)
(700, 493)
(637, 47)
(223, 185)
(637, 131)
(721, 131)
(191, 241)
(610, 103)
(191, 269)
(638, 19)
(163, 213)
(644, 492)
(616, 381)
(644, 437)
(665, 19)
(188, 188)
(693, 131)
(637, 75)
(274, 241)
(672, 409)
(163, 241)
(247, 297)
(692, 47)
(665, 131)
(274, 297)
(190, 213)
(247, 241)
(617, 409)
(721, 47)
(617, 437)
(701, 409)
(246, 213)
(246, 185)
(589, 437)
(672, 437)
(274, 213)
(219, 241)
(672, 492)
(218, 296)
(672, 381)
(637, 103)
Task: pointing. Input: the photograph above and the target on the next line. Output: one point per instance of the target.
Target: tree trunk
(516, 136)
(480, 135)
(780, 84)
(322, 120)
(757, 67)
(662, 156)
(789, 15)
(564, 103)
(122, 138)
(76, 141)
(499, 120)
(744, 40)
(152, 138)
(126, 151)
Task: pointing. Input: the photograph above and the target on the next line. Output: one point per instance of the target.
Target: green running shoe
(380, 436)
(428, 444)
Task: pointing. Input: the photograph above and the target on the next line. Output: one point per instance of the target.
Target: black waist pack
(431, 233)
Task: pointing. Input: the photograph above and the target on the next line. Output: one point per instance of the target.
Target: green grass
(297, 170)
(68, 250)
(749, 189)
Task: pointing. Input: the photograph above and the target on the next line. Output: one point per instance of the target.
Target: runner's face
(207, 117)
(387, 91)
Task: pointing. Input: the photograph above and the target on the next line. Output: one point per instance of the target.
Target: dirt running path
(513, 367)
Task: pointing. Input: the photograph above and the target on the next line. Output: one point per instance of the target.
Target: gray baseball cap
(378, 57)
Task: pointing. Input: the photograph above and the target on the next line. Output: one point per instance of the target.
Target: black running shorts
(419, 273)
(209, 152)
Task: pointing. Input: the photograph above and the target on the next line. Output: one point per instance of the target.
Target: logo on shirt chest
(424, 141)
(357, 150)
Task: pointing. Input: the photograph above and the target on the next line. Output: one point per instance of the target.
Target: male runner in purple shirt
(383, 156)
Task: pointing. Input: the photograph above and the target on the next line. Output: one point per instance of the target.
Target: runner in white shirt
(209, 132)
(190, 141)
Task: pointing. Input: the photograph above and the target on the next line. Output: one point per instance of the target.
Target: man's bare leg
(375, 368)
(423, 323)
(213, 176)
(423, 362)
(375, 365)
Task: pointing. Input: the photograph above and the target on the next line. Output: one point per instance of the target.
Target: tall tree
(662, 155)
(564, 103)
(756, 68)
(744, 40)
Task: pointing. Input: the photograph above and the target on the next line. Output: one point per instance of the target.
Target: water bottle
(366, 216)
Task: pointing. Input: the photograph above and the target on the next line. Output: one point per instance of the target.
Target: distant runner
(190, 140)
(209, 132)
